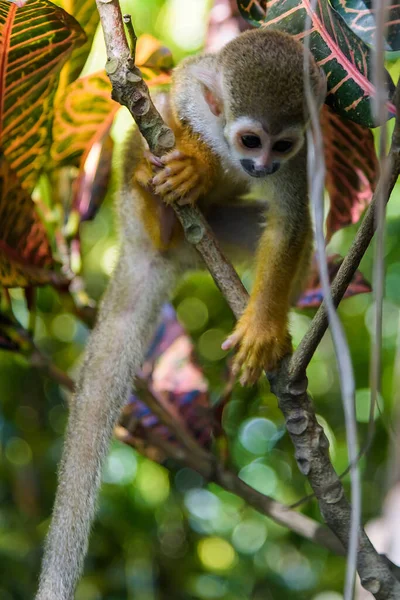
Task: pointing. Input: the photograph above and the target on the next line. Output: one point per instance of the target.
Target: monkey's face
(259, 152)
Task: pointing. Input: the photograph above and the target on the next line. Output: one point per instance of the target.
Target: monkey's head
(257, 92)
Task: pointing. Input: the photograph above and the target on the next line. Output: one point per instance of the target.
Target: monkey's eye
(251, 141)
(282, 146)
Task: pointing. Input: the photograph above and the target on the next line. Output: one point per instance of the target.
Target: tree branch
(311, 444)
(207, 467)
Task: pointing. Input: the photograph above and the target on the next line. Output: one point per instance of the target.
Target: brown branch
(311, 444)
(205, 466)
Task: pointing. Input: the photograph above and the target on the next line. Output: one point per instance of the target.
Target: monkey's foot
(181, 180)
(258, 349)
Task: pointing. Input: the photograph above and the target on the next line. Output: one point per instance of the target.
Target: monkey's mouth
(250, 168)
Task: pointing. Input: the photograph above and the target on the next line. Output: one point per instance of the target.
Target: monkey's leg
(261, 334)
(142, 281)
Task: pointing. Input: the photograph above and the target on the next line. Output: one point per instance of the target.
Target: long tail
(115, 351)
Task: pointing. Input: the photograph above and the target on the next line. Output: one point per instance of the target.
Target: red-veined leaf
(351, 169)
(360, 17)
(35, 41)
(24, 247)
(344, 57)
(313, 294)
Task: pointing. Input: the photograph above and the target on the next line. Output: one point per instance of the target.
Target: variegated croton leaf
(170, 374)
(155, 60)
(313, 294)
(85, 112)
(24, 247)
(82, 118)
(36, 39)
(87, 15)
(351, 169)
(344, 57)
(360, 17)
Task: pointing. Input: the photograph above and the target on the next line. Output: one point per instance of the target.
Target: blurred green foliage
(165, 533)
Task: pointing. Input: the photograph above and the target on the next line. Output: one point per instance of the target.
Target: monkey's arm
(282, 262)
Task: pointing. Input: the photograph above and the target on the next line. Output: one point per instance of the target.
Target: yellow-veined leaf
(83, 116)
(86, 111)
(35, 41)
(87, 15)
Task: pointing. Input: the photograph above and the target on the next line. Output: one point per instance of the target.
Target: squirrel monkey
(239, 119)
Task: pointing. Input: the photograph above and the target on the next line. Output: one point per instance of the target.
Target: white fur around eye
(244, 124)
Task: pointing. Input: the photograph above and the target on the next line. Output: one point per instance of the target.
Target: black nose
(250, 168)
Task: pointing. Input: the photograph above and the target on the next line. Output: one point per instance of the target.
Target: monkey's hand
(260, 346)
(145, 170)
(183, 179)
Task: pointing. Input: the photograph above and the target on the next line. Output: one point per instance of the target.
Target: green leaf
(345, 58)
(36, 40)
(360, 17)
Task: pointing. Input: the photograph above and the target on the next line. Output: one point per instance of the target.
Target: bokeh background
(161, 531)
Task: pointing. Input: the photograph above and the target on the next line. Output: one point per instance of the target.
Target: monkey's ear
(211, 83)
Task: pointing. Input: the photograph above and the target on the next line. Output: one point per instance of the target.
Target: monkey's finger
(175, 181)
(231, 341)
(166, 173)
(174, 155)
(181, 191)
(177, 165)
(154, 160)
(188, 185)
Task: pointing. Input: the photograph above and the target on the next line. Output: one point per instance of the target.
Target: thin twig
(131, 34)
